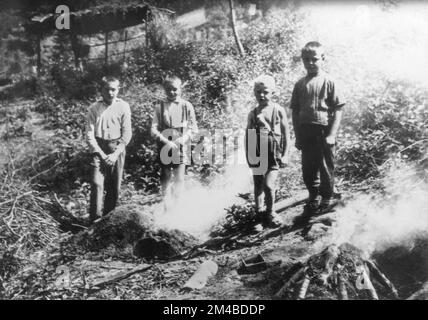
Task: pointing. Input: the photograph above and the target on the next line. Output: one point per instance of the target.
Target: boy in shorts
(174, 123)
(267, 144)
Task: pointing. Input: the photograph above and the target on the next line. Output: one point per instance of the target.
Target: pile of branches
(26, 223)
(239, 217)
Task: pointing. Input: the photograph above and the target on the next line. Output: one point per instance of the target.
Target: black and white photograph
(250, 151)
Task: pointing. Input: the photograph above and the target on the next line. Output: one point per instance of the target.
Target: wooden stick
(119, 276)
(330, 256)
(382, 278)
(16, 198)
(369, 285)
(292, 280)
(289, 203)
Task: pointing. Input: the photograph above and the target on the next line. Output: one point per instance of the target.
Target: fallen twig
(16, 198)
(118, 276)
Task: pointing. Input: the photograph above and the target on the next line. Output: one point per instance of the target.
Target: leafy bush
(385, 126)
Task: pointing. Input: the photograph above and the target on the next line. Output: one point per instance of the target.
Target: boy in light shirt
(108, 132)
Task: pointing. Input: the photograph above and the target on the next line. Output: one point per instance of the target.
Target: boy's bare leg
(97, 189)
(269, 189)
(258, 191)
(166, 181)
(271, 218)
(177, 187)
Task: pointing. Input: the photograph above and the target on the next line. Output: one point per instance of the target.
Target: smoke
(363, 41)
(396, 217)
(366, 45)
(200, 206)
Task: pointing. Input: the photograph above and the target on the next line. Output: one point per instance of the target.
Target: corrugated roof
(95, 20)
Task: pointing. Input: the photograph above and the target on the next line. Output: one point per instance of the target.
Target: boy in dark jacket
(316, 105)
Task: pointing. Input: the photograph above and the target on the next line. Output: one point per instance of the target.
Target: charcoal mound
(130, 230)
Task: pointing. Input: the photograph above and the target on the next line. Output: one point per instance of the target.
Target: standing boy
(267, 144)
(174, 123)
(316, 104)
(108, 131)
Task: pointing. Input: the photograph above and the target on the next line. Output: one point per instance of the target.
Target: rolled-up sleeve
(334, 94)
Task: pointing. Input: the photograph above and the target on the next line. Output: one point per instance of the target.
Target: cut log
(304, 287)
(343, 293)
(363, 282)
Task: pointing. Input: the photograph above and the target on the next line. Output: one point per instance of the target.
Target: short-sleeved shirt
(176, 114)
(273, 138)
(180, 117)
(315, 98)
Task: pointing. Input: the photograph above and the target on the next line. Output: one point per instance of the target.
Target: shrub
(384, 127)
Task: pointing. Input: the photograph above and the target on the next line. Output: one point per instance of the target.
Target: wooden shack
(95, 20)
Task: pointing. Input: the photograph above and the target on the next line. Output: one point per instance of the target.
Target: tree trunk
(235, 32)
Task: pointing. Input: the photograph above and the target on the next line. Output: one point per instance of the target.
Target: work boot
(311, 206)
(326, 205)
(272, 220)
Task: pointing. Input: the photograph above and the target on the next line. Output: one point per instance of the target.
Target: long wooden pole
(124, 46)
(147, 28)
(235, 32)
(106, 49)
(39, 54)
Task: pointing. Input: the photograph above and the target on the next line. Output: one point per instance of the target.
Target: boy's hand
(111, 159)
(284, 160)
(330, 140)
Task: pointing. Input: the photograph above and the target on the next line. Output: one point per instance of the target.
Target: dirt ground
(61, 274)
(284, 247)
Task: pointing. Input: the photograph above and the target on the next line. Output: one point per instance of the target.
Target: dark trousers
(105, 178)
(317, 160)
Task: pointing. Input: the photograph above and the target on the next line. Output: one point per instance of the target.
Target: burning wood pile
(338, 272)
